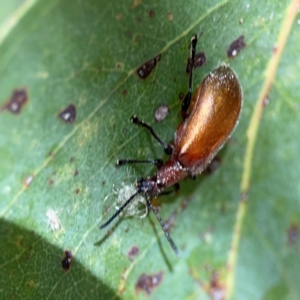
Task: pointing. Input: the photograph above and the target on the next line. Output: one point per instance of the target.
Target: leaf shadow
(39, 269)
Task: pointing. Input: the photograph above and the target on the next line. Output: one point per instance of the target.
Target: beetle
(209, 118)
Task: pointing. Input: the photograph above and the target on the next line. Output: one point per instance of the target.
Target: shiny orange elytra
(209, 118)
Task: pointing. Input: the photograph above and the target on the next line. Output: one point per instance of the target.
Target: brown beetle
(209, 118)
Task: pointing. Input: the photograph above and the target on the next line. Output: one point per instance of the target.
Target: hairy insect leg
(167, 148)
(156, 162)
(187, 99)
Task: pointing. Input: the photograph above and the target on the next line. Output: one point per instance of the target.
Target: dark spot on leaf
(147, 283)
(151, 13)
(139, 19)
(266, 101)
(213, 166)
(170, 16)
(28, 180)
(216, 290)
(76, 173)
(127, 229)
(145, 70)
(161, 112)
(119, 16)
(50, 182)
(71, 159)
(244, 196)
(67, 260)
(68, 115)
(134, 251)
(77, 191)
(16, 102)
(236, 46)
(181, 96)
(103, 182)
(292, 234)
(124, 93)
(200, 59)
(119, 65)
(136, 3)
(174, 79)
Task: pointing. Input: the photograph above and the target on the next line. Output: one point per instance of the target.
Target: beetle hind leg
(187, 99)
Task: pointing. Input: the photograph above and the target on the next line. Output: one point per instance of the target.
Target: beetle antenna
(163, 226)
(118, 211)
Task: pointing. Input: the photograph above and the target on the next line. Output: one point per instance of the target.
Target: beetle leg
(157, 162)
(176, 189)
(167, 148)
(187, 99)
(163, 226)
(193, 177)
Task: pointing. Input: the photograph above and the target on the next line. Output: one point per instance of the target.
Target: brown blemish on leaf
(119, 65)
(16, 102)
(266, 101)
(119, 17)
(200, 60)
(151, 13)
(67, 260)
(244, 197)
(68, 114)
(50, 182)
(71, 159)
(139, 19)
(170, 16)
(136, 3)
(76, 173)
(124, 93)
(147, 283)
(145, 69)
(216, 289)
(28, 180)
(161, 112)
(133, 252)
(292, 234)
(77, 191)
(236, 46)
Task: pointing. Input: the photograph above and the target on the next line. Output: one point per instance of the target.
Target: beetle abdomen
(214, 113)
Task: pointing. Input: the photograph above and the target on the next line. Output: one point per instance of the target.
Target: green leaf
(86, 53)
